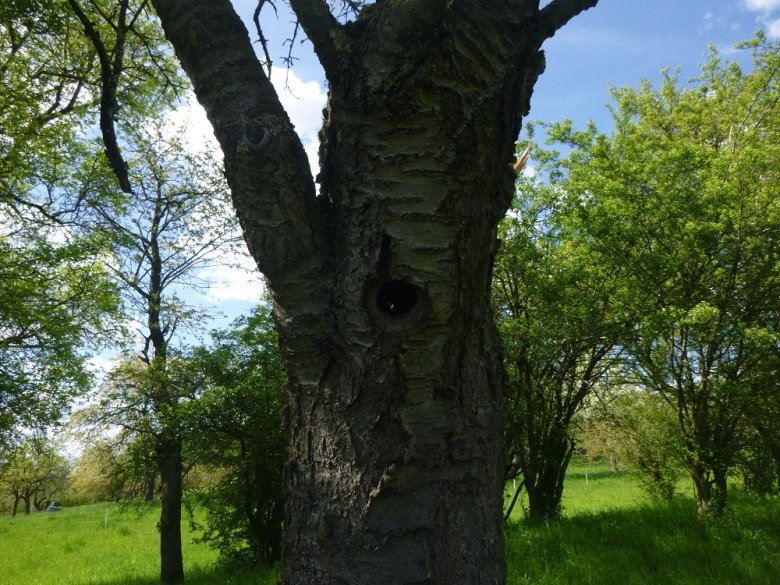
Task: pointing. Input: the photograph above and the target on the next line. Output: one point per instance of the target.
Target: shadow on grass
(211, 576)
(596, 474)
(651, 544)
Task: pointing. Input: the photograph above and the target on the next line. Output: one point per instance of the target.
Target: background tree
(686, 203)
(560, 326)
(34, 473)
(235, 428)
(381, 283)
(172, 227)
(55, 297)
(644, 431)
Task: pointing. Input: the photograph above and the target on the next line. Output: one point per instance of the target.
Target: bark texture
(381, 282)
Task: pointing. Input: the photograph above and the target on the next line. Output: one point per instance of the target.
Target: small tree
(644, 431)
(34, 474)
(236, 427)
(683, 199)
(560, 327)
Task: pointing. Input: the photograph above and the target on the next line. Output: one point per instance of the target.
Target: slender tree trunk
(15, 508)
(702, 484)
(150, 483)
(544, 479)
(720, 490)
(381, 284)
(169, 458)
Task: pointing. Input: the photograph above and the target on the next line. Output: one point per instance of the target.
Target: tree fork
(381, 283)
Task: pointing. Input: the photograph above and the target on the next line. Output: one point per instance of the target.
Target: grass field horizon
(611, 533)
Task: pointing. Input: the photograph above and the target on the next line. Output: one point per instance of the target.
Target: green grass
(611, 534)
(102, 544)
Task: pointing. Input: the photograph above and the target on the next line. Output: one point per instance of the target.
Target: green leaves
(681, 202)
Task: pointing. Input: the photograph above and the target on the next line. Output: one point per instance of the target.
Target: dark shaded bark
(544, 466)
(170, 461)
(382, 282)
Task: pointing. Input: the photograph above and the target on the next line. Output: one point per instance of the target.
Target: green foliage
(235, 427)
(560, 328)
(645, 434)
(682, 200)
(34, 473)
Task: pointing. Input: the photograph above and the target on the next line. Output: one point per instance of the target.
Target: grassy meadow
(610, 534)
(102, 544)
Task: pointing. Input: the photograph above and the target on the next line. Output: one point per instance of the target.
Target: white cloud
(235, 279)
(191, 120)
(773, 28)
(304, 101)
(762, 5)
(768, 17)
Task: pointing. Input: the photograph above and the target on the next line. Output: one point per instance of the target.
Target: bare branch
(558, 12)
(261, 37)
(324, 31)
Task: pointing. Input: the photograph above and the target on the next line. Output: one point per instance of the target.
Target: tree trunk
(545, 475)
(720, 490)
(381, 284)
(15, 508)
(702, 484)
(170, 462)
(149, 485)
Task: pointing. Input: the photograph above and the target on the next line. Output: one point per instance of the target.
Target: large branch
(266, 166)
(558, 12)
(110, 73)
(324, 31)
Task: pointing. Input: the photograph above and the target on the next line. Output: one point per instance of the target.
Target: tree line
(637, 288)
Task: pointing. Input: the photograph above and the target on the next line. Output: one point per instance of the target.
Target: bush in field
(235, 428)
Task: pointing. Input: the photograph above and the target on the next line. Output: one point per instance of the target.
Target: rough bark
(381, 283)
(170, 464)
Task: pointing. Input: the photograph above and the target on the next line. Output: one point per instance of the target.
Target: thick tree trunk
(169, 459)
(381, 284)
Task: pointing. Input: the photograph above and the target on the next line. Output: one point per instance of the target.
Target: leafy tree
(236, 428)
(90, 480)
(643, 429)
(560, 327)
(55, 296)
(173, 226)
(381, 283)
(34, 473)
(683, 198)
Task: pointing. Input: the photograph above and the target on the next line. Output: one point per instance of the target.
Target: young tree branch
(558, 12)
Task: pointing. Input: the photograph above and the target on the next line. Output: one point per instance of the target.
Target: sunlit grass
(101, 544)
(611, 533)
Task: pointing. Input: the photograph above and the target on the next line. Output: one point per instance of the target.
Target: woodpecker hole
(396, 298)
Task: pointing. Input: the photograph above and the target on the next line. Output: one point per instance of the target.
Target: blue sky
(618, 42)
